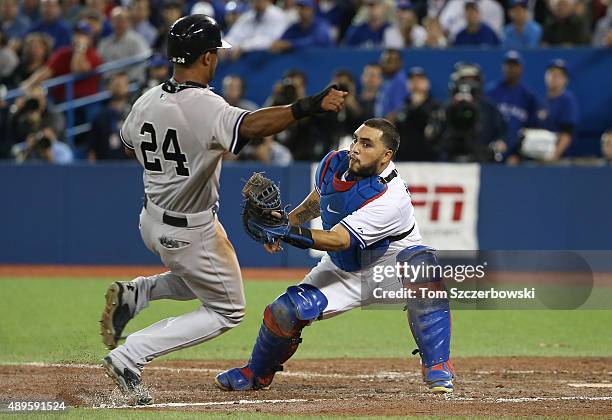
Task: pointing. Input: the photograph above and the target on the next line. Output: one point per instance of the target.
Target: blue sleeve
(323, 36)
(573, 110)
(533, 106)
(494, 37)
(62, 154)
(568, 116)
(288, 35)
(397, 98)
(350, 38)
(534, 41)
(569, 112)
(459, 39)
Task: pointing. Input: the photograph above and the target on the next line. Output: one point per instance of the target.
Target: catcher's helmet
(191, 36)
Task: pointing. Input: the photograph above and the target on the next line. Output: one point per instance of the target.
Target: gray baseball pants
(203, 265)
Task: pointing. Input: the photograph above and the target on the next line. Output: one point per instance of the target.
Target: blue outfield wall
(589, 68)
(86, 214)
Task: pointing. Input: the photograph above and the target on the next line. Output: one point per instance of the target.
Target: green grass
(56, 320)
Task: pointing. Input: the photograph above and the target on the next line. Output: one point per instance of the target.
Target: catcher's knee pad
(284, 319)
(423, 259)
(294, 309)
(429, 318)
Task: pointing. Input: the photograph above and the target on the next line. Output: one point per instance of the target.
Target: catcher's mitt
(261, 198)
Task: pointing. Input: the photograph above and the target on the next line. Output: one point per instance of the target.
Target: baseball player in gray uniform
(179, 132)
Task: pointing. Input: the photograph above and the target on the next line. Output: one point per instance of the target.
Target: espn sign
(445, 200)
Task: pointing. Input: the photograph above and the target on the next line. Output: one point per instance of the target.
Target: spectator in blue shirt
(476, 32)
(523, 32)
(515, 101)
(370, 33)
(393, 91)
(560, 112)
(338, 13)
(52, 24)
(308, 31)
(31, 9)
(14, 24)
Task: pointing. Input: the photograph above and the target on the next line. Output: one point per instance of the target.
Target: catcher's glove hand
(261, 198)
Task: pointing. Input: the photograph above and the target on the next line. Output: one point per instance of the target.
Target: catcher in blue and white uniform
(368, 220)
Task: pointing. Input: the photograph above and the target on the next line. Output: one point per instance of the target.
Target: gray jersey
(179, 134)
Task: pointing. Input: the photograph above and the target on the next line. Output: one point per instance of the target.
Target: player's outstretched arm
(267, 121)
(308, 209)
(336, 239)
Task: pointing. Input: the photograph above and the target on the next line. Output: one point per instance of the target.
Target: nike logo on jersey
(332, 211)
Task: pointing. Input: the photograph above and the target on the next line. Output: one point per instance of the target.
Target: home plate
(593, 385)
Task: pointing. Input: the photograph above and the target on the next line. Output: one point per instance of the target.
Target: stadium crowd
(42, 39)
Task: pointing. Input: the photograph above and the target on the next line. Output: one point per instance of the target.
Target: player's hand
(334, 100)
(273, 248)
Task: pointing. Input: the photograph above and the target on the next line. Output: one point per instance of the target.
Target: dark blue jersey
(559, 114)
(517, 104)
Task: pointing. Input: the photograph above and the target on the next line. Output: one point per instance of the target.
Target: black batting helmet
(191, 36)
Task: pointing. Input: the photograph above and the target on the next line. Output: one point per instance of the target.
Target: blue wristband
(299, 237)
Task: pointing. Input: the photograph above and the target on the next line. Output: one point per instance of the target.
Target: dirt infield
(486, 386)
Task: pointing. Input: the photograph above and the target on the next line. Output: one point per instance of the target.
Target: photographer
(267, 151)
(469, 128)
(43, 146)
(413, 119)
(303, 138)
(30, 114)
(337, 128)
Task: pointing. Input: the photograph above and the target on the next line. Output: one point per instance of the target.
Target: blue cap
(306, 3)
(158, 60)
(416, 71)
(83, 27)
(514, 56)
(522, 3)
(558, 63)
(404, 5)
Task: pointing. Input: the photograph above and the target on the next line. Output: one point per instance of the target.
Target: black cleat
(119, 309)
(128, 383)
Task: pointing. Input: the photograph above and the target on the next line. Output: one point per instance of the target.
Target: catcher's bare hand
(334, 100)
(273, 248)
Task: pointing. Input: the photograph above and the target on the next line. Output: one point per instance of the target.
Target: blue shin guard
(430, 323)
(278, 338)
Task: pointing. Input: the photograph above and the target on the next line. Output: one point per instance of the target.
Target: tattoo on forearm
(308, 211)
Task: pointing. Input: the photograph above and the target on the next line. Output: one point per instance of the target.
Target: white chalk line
(298, 400)
(205, 404)
(591, 385)
(529, 399)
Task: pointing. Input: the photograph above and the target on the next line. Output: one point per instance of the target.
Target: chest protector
(341, 198)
